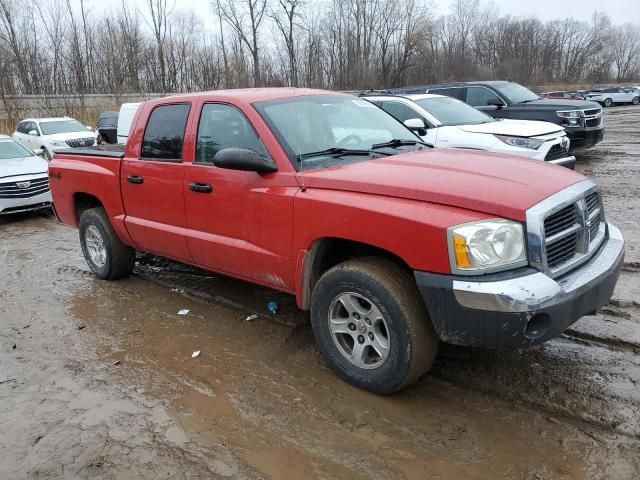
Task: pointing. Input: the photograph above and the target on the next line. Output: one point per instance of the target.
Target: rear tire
(107, 257)
(635, 101)
(608, 102)
(380, 289)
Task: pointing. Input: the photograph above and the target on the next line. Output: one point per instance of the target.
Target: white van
(125, 118)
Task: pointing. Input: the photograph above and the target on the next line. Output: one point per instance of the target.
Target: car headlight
(522, 142)
(486, 246)
(55, 143)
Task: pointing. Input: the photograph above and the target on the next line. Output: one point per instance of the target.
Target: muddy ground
(97, 379)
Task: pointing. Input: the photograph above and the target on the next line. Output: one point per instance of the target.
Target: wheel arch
(327, 252)
(84, 201)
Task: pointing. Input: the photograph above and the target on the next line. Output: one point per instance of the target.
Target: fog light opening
(538, 326)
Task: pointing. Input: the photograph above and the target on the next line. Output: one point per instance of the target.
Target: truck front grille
(80, 142)
(593, 117)
(556, 152)
(572, 233)
(24, 189)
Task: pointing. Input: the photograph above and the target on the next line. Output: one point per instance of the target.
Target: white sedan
(52, 134)
(446, 122)
(24, 178)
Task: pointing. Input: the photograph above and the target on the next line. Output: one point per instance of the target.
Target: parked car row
(605, 96)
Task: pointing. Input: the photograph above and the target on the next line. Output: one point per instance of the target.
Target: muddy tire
(106, 255)
(608, 102)
(361, 306)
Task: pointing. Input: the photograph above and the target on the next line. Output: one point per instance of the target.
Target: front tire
(107, 257)
(372, 326)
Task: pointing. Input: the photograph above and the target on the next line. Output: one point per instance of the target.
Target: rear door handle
(200, 187)
(135, 179)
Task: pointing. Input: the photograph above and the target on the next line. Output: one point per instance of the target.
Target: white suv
(614, 95)
(447, 122)
(51, 134)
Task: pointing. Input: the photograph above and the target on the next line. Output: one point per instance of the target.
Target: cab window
(399, 110)
(223, 126)
(164, 134)
(481, 97)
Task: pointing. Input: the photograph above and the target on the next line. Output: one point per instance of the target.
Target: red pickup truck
(392, 246)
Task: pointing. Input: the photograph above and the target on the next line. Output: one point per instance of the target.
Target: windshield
(61, 126)
(12, 149)
(516, 93)
(312, 124)
(450, 111)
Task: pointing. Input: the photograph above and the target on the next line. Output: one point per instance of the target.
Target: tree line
(60, 46)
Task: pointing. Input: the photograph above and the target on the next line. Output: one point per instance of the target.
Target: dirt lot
(97, 378)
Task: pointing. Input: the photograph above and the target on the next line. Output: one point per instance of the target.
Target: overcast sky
(621, 11)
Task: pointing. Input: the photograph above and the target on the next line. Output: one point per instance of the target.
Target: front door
(240, 223)
(152, 182)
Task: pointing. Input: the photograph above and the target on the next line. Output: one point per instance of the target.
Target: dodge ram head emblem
(23, 184)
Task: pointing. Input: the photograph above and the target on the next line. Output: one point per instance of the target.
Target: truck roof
(249, 95)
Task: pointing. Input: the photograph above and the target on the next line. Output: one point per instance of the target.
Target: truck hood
(557, 104)
(516, 128)
(490, 183)
(22, 166)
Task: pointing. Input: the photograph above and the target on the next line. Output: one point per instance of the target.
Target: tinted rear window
(455, 92)
(164, 135)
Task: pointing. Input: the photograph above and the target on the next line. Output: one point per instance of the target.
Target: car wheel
(107, 257)
(635, 100)
(608, 102)
(372, 326)
(46, 155)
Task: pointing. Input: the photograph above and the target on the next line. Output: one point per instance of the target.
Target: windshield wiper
(396, 142)
(335, 152)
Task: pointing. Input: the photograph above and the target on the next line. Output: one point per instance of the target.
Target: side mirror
(38, 151)
(496, 102)
(416, 125)
(34, 133)
(243, 159)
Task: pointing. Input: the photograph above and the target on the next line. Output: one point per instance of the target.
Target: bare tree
(245, 18)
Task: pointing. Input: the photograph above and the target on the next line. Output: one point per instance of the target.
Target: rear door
(151, 184)
(240, 222)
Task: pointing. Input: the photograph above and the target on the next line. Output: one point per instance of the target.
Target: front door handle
(200, 187)
(135, 179)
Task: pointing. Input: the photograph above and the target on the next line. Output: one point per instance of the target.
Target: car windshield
(450, 111)
(12, 149)
(319, 127)
(61, 126)
(516, 93)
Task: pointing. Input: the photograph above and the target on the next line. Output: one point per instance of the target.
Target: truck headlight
(522, 142)
(571, 117)
(486, 246)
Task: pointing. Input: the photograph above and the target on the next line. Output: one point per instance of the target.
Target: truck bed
(112, 151)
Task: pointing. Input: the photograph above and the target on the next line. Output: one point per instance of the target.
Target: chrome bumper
(569, 162)
(537, 291)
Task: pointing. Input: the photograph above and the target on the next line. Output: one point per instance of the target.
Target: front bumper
(520, 308)
(568, 162)
(584, 137)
